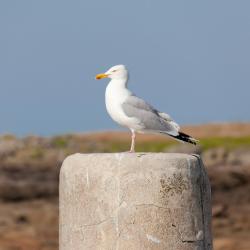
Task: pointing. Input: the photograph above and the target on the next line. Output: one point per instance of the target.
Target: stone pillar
(134, 201)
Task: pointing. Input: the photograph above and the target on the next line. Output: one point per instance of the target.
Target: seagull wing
(150, 119)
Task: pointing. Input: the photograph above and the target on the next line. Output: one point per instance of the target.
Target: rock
(219, 210)
(9, 146)
(184, 148)
(214, 156)
(23, 177)
(227, 177)
(134, 201)
(240, 156)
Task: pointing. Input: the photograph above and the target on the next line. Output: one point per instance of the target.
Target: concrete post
(135, 201)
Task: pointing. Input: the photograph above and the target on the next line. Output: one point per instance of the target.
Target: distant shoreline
(220, 129)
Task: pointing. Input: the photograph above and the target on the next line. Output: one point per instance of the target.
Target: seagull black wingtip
(186, 138)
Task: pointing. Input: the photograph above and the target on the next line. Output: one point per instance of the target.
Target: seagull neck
(122, 83)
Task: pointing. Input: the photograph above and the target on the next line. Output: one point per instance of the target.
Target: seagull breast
(115, 96)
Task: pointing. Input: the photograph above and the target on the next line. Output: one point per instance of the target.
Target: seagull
(132, 112)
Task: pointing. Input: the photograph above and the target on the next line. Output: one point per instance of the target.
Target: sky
(190, 59)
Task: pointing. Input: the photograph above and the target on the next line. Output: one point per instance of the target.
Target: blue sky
(190, 59)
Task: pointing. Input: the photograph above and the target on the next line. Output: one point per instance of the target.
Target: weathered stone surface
(134, 201)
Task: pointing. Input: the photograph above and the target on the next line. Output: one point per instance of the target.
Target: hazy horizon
(188, 59)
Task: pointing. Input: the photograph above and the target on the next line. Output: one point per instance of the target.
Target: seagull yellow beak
(100, 76)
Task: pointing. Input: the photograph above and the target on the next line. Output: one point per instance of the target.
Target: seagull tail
(184, 137)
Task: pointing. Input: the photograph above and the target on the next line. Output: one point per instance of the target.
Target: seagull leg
(132, 148)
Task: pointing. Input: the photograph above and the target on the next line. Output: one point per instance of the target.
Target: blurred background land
(29, 169)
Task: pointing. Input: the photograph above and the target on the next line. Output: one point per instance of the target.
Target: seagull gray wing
(148, 116)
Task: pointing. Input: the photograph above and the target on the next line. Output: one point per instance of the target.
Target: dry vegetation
(29, 169)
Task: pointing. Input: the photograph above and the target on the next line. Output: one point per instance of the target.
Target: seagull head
(116, 72)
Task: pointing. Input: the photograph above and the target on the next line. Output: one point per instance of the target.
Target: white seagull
(132, 112)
